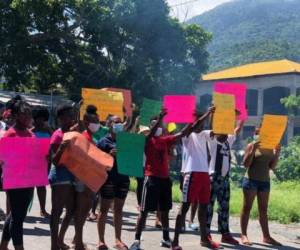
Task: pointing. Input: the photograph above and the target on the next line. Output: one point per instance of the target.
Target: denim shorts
(254, 185)
(60, 175)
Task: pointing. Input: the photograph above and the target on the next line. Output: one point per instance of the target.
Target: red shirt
(88, 136)
(13, 132)
(157, 156)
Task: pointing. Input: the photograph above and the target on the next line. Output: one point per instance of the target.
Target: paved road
(37, 234)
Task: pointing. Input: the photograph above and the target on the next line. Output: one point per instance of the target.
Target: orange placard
(127, 99)
(84, 160)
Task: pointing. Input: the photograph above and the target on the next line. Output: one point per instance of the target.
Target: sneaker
(210, 243)
(136, 245)
(228, 239)
(194, 227)
(166, 243)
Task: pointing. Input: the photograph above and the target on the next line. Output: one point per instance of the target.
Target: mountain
(247, 31)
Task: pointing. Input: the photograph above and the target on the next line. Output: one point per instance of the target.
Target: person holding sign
(258, 161)
(196, 182)
(84, 196)
(61, 179)
(19, 198)
(115, 189)
(219, 146)
(157, 190)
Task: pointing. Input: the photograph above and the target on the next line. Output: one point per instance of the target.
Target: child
(220, 154)
(42, 130)
(19, 198)
(196, 183)
(61, 180)
(157, 190)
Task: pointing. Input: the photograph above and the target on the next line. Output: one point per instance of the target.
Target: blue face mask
(118, 127)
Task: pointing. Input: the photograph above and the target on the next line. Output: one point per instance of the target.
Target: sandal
(121, 246)
(102, 247)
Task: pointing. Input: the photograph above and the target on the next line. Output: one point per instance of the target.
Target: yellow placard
(171, 127)
(223, 101)
(224, 122)
(107, 102)
(272, 130)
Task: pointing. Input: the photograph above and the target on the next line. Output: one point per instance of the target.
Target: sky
(185, 9)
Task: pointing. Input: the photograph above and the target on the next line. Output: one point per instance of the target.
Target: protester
(61, 180)
(157, 190)
(256, 183)
(219, 146)
(115, 189)
(196, 182)
(84, 196)
(42, 130)
(19, 198)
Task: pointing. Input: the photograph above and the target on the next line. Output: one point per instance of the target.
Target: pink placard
(24, 162)
(180, 108)
(239, 90)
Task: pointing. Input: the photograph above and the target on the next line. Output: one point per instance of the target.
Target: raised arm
(239, 128)
(276, 158)
(154, 128)
(250, 153)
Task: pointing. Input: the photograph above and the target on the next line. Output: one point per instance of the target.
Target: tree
(291, 103)
(66, 45)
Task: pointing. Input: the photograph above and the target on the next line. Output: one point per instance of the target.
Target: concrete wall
(263, 97)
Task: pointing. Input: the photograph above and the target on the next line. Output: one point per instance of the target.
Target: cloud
(185, 9)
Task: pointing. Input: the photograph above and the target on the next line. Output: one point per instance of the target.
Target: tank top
(259, 170)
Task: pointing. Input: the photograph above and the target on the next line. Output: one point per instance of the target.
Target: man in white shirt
(196, 183)
(219, 167)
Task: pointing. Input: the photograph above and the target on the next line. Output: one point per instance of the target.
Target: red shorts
(196, 188)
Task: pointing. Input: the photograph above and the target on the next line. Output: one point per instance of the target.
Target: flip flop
(121, 246)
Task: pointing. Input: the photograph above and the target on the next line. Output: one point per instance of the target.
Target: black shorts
(157, 194)
(115, 189)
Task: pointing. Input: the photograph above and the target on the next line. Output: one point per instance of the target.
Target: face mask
(118, 127)
(158, 132)
(255, 137)
(94, 127)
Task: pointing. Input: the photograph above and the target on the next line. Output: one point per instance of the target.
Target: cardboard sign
(224, 102)
(239, 90)
(130, 154)
(107, 102)
(88, 163)
(224, 122)
(149, 109)
(127, 99)
(181, 109)
(25, 162)
(272, 130)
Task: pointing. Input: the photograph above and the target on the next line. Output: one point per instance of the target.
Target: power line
(184, 3)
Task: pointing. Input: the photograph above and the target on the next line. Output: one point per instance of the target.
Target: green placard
(103, 131)
(149, 109)
(130, 154)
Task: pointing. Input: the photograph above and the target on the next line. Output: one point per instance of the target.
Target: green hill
(246, 31)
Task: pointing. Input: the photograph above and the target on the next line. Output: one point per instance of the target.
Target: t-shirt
(57, 137)
(195, 152)
(88, 136)
(220, 155)
(13, 132)
(157, 156)
(40, 134)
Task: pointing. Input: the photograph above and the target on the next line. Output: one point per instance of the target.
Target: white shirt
(225, 151)
(194, 152)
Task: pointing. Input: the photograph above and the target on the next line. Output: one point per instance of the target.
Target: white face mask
(255, 137)
(158, 132)
(94, 127)
(118, 128)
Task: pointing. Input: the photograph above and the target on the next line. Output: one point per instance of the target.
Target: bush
(288, 167)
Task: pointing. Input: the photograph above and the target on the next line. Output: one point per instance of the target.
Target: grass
(284, 205)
